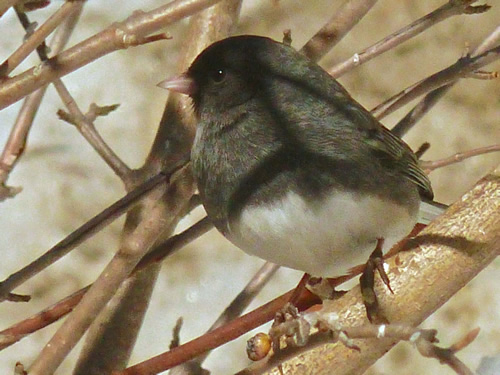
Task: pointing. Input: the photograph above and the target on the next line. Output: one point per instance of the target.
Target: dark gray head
(230, 72)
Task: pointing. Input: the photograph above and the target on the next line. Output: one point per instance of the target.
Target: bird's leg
(299, 289)
(367, 281)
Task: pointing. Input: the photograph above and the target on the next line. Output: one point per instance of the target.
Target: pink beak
(181, 84)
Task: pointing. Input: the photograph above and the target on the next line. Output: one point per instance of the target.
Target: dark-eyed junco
(289, 167)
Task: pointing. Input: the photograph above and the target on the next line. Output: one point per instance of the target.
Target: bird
(289, 167)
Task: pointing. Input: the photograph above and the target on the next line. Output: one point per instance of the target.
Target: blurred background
(65, 182)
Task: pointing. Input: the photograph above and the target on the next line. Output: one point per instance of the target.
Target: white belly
(324, 240)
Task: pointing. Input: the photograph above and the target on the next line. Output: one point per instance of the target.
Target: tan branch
(130, 32)
(118, 322)
(344, 19)
(14, 148)
(429, 166)
(39, 36)
(458, 244)
(85, 125)
(452, 8)
(446, 76)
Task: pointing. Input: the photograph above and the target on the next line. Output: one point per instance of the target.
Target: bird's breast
(325, 237)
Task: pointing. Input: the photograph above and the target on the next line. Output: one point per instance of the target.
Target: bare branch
(130, 32)
(460, 69)
(85, 125)
(451, 8)
(344, 19)
(425, 105)
(39, 36)
(81, 234)
(429, 166)
(16, 142)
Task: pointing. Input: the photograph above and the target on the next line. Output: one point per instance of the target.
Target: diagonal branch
(426, 104)
(39, 36)
(130, 32)
(16, 142)
(459, 243)
(450, 9)
(344, 19)
(460, 69)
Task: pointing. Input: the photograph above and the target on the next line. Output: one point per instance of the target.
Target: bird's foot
(367, 281)
(324, 288)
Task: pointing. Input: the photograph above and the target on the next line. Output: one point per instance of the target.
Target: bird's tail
(429, 210)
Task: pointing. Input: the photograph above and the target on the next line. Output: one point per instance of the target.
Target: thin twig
(343, 20)
(430, 166)
(15, 146)
(451, 8)
(59, 309)
(39, 36)
(458, 70)
(235, 308)
(86, 127)
(91, 227)
(20, 330)
(131, 32)
(425, 105)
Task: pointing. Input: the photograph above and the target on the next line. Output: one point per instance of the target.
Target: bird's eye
(218, 75)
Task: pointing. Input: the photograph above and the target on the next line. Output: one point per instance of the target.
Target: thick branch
(118, 324)
(458, 244)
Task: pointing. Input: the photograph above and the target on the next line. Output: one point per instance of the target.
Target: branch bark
(113, 334)
(458, 244)
(130, 32)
